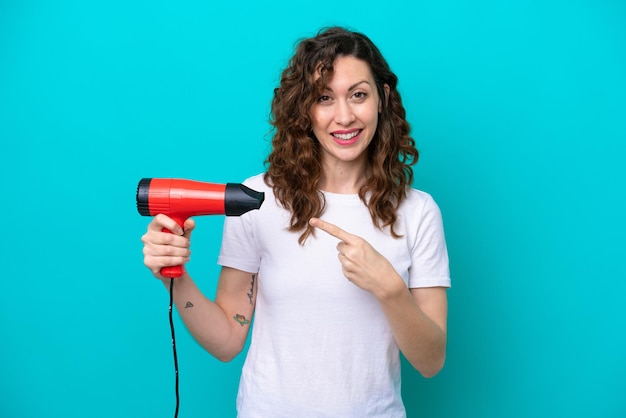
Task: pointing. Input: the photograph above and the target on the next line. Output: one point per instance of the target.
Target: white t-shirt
(321, 346)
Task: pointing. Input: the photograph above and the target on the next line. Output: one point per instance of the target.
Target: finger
(165, 255)
(155, 264)
(331, 229)
(161, 221)
(158, 262)
(159, 250)
(188, 227)
(158, 238)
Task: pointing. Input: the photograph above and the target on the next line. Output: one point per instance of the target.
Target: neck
(343, 178)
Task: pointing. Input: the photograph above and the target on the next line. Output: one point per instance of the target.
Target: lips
(346, 137)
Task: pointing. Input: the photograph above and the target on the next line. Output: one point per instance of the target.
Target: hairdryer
(181, 199)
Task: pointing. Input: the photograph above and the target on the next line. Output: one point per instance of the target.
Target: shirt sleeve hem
(238, 264)
(441, 282)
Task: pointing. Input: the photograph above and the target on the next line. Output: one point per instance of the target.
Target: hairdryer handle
(173, 272)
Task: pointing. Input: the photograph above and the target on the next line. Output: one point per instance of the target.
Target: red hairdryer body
(180, 199)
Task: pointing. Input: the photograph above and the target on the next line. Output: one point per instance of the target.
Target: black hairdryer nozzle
(240, 199)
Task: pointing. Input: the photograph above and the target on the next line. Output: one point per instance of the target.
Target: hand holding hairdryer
(181, 199)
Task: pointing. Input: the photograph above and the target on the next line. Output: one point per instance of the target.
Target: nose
(344, 114)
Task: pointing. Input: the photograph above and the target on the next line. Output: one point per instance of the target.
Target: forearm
(206, 321)
(419, 337)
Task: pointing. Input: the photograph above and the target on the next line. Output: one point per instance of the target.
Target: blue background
(518, 109)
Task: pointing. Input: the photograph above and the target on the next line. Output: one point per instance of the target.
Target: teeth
(345, 137)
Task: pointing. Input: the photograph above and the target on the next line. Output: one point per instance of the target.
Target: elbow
(431, 368)
(434, 361)
(224, 353)
(431, 371)
(226, 358)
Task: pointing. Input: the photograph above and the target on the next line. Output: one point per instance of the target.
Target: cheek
(371, 117)
(318, 121)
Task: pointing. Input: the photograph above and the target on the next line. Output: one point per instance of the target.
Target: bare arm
(418, 320)
(221, 327)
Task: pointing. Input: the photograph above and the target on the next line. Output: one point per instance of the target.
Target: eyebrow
(352, 87)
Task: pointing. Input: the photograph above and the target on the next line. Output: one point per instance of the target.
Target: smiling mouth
(346, 136)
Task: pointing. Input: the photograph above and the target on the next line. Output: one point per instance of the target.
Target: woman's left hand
(361, 263)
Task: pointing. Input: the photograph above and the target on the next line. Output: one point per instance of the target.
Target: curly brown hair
(294, 164)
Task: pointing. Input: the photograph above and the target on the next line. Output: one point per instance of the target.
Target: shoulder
(257, 183)
(419, 208)
(417, 200)
(257, 180)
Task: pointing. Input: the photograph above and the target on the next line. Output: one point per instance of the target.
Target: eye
(324, 99)
(360, 95)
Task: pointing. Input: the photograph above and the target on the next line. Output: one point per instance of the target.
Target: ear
(380, 103)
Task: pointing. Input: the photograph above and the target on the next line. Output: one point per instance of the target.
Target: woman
(344, 265)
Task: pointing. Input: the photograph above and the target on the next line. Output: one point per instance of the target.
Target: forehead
(345, 69)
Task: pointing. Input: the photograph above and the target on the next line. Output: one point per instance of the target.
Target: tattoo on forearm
(251, 293)
(241, 319)
(188, 305)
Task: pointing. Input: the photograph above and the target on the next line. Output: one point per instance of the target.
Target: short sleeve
(429, 253)
(240, 249)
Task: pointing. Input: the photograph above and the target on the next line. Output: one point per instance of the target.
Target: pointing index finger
(330, 229)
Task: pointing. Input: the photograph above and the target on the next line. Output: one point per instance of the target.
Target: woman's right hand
(162, 249)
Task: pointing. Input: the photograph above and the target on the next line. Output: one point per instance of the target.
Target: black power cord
(174, 345)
